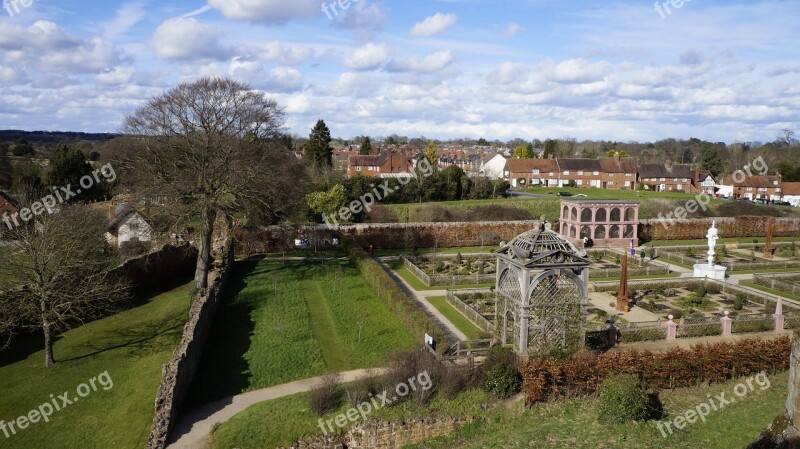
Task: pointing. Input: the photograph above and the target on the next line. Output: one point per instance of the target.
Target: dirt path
(193, 431)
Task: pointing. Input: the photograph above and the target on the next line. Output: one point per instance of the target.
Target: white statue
(712, 236)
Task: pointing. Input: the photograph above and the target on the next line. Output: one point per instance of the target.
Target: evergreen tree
(366, 146)
(550, 148)
(523, 152)
(66, 168)
(430, 154)
(711, 161)
(318, 147)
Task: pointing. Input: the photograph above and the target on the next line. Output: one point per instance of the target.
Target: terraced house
(387, 164)
(667, 177)
(761, 187)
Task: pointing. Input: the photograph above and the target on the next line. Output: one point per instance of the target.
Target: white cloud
(286, 54)
(361, 16)
(284, 79)
(433, 62)
(368, 57)
(115, 76)
(272, 12)
(433, 25)
(513, 29)
(127, 16)
(182, 39)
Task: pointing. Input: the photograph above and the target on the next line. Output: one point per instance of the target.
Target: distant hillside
(37, 138)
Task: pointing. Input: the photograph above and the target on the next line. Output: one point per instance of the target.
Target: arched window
(600, 216)
(630, 214)
(586, 216)
(613, 232)
(574, 214)
(616, 215)
(600, 232)
(586, 231)
(628, 231)
(573, 231)
(565, 213)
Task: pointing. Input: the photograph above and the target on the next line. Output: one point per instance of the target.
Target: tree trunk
(204, 251)
(49, 360)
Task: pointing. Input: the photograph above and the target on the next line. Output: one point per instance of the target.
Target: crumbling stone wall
(159, 267)
(177, 374)
(376, 434)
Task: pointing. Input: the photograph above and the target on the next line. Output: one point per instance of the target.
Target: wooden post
(622, 295)
(768, 243)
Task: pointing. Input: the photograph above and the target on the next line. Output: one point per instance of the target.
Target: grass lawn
(462, 249)
(646, 276)
(751, 284)
(463, 323)
(131, 346)
(574, 423)
(607, 194)
(282, 322)
(286, 420)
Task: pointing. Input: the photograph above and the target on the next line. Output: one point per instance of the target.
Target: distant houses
(125, 225)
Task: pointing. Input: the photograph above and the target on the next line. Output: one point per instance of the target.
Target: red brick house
(580, 172)
(388, 164)
(667, 177)
(766, 187)
(618, 173)
(532, 172)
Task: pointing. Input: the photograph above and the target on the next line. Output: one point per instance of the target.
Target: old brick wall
(376, 434)
(177, 374)
(385, 235)
(696, 228)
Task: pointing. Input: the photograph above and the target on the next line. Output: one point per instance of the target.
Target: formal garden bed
(741, 257)
(783, 282)
(458, 269)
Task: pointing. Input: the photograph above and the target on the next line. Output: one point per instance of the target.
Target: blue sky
(719, 70)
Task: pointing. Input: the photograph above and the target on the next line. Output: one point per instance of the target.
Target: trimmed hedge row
(580, 375)
(407, 312)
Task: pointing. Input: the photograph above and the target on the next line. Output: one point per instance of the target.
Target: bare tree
(212, 146)
(57, 275)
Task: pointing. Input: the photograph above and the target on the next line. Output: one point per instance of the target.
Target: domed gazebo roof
(543, 248)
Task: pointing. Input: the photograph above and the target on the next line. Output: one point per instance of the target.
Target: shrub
(481, 268)
(326, 396)
(701, 290)
(739, 301)
(503, 381)
(459, 258)
(622, 399)
(670, 292)
(676, 313)
(713, 289)
(601, 313)
(361, 390)
(439, 267)
(410, 364)
(689, 252)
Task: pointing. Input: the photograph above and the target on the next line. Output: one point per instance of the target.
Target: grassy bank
(131, 346)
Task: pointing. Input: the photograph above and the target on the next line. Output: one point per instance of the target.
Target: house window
(358, 168)
(566, 172)
(628, 174)
(680, 186)
(580, 172)
(662, 179)
(551, 173)
(595, 173)
(579, 182)
(535, 171)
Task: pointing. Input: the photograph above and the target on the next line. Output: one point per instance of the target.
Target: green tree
(29, 179)
(6, 171)
(318, 147)
(550, 148)
(66, 168)
(366, 146)
(711, 161)
(21, 148)
(430, 153)
(523, 152)
(328, 203)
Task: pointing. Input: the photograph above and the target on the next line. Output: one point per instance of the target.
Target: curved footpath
(193, 430)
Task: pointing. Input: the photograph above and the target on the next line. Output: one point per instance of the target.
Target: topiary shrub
(503, 380)
(622, 399)
(739, 301)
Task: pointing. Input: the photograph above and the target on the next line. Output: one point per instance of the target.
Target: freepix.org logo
(14, 7)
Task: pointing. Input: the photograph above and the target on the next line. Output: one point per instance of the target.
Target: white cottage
(126, 224)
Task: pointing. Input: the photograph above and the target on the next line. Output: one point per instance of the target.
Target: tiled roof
(589, 165)
(665, 171)
(791, 188)
(612, 165)
(528, 165)
(758, 181)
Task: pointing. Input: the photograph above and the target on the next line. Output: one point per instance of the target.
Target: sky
(724, 71)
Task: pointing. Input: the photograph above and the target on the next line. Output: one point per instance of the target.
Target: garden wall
(159, 267)
(696, 228)
(177, 374)
(376, 434)
(385, 235)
